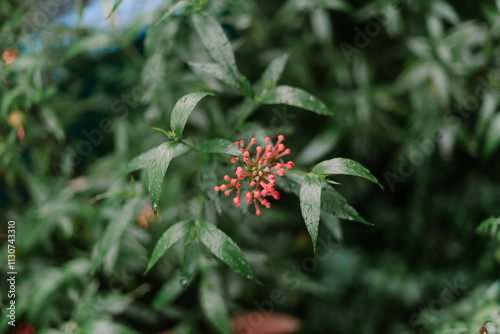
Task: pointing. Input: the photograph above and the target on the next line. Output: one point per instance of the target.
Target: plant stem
(297, 172)
(188, 144)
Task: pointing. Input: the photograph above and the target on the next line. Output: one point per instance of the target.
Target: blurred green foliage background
(414, 88)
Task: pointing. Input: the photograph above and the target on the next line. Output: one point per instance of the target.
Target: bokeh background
(414, 88)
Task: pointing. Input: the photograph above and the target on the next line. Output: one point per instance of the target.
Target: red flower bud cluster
(260, 172)
(9, 56)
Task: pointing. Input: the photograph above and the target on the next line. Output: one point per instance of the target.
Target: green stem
(188, 144)
(202, 202)
(297, 172)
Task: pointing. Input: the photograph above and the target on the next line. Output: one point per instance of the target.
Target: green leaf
(173, 9)
(141, 161)
(342, 166)
(116, 229)
(271, 75)
(318, 147)
(220, 146)
(310, 204)
(215, 41)
(492, 137)
(331, 201)
(190, 259)
(446, 11)
(171, 235)
(115, 7)
(93, 42)
(491, 227)
(339, 5)
(168, 292)
(157, 169)
(165, 132)
(332, 224)
(217, 71)
(48, 281)
(334, 203)
(296, 97)
(225, 249)
(246, 86)
(183, 109)
(214, 308)
(106, 326)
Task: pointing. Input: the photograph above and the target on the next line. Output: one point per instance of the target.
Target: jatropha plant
(259, 173)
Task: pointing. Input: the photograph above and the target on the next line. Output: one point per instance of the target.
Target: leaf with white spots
(310, 205)
(183, 109)
(157, 169)
(223, 247)
(216, 71)
(220, 146)
(171, 235)
(215, 41)
(296, 97)
(342, 166)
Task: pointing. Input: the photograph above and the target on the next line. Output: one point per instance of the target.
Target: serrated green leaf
(310, 205)
(115, 7)
(157, 169)
(220, 146)
(296, 97)
(168, 292)
(342, 166)
(116, 228)
(215, 41)
(271, 75)
(171, 235)
(223, 247)
(214, 308)
(183, 109)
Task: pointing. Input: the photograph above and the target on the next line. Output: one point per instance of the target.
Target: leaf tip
(314, 239)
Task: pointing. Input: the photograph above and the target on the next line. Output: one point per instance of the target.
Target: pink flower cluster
(260, 172)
